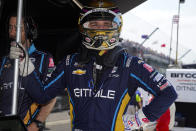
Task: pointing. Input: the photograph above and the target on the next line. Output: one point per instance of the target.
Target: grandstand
(159, 61)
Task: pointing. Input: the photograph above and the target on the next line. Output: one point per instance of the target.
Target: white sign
(184, 82)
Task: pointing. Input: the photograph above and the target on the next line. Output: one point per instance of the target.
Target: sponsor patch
(50, 70)
(152, 75)
(128, 61)
(76, 64)
(67, 59)
(79, 72)
(164, 86)
(148, 67)
(9, 85)
(114, 75)
(51, 62)
(99, 67)
(158, 77)
(114, 69)
(140, 61)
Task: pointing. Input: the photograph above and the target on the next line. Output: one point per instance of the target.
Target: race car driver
(101, 78)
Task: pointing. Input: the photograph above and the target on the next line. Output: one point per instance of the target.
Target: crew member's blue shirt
(44, 65)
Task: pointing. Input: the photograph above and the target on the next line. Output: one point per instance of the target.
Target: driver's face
(100, 24)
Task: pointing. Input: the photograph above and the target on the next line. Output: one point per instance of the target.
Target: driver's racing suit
(102, 109)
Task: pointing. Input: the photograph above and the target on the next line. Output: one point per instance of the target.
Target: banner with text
(184, 82)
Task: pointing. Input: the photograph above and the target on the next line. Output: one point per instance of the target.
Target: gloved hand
(133, 122)
(16, 52)
(26, 67)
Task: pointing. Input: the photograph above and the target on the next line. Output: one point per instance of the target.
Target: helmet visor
(100, 24)
(101, 20)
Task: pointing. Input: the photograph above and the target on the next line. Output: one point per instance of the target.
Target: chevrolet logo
(79, 72)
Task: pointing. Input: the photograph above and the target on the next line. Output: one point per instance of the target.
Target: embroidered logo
(67, 59)
(158, 77)
(79, 72)
(51, 62)
(164, 86)
(140, 61)
(76, 64)
(114, 69)
(128, 61)
(148, 67)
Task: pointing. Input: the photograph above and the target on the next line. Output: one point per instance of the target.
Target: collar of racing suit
(31, 49)
(109, 59)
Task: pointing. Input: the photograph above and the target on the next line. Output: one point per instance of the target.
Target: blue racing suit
(102, 109)
(27, 109)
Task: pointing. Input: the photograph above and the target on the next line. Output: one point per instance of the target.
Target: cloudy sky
(153, 14)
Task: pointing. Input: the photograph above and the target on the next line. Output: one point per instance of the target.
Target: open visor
(100, 19)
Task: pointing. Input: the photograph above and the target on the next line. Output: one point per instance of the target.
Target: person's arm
(41, 92)
(45, 73)
(45, 110)
(43, 114)
(144, 76)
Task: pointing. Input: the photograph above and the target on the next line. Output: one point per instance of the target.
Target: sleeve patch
(164, 86)
(128, 61)
(51, 62)
(148, 67)
(158, 77)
